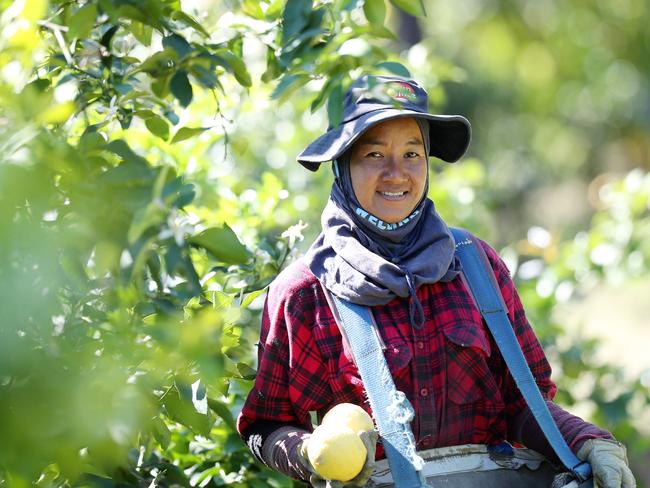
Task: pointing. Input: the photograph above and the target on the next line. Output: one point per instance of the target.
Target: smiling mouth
(393, 195)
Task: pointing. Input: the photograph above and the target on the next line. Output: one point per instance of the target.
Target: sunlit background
(149, 193)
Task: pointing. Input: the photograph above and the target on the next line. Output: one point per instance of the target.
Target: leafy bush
(130, 304)
(138, 230)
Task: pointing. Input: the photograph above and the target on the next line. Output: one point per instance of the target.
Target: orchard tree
(127, 328)
(145, 206)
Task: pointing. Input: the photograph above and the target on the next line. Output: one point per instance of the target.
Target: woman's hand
(369, 439)
(608, 462)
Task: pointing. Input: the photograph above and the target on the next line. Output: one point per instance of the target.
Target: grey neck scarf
(369, 262)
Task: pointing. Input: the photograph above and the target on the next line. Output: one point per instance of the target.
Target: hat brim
(449, 136)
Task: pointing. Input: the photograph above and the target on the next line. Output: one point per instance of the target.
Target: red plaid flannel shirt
(450, 369)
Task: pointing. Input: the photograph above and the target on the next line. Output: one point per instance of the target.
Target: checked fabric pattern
(450, 369)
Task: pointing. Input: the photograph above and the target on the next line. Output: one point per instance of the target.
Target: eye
(374, 155)
(411, 155)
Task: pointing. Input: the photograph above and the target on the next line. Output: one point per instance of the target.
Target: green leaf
(206, 76)
(375, 11)
(96, 481)
(108, 37)
(274, 10)
(381, 32)
(134, 13)
(95, 127)
(39, 85)
(192, 287)
(135, 94)
(288, 84)
(252, 9)
(272, 66)
(178, 44)
(122, 149)
(204, 477)
(125, 60)
(413, 7)
(128, 173)
(179, 403)
(222, 410)
(395, 68)
(107, 256)
(150, 216)
(187, 132)
(141, 32)
(324, 93)
(190, 22)
(90, 141)
(160, 63)
(335, 104)
(173, 257)
(223, 244)
(350, 5)
(252, 296)
(124, 88)
(160, 432)
(82, 21)
(235, 65)
(181, 88)
(160, 87)
(73, 270)
(186, 195)
(221, 300)
(230, 339)
(157, 126)
(295, 18)
(246, 371)
(301, 45)
(144, 114)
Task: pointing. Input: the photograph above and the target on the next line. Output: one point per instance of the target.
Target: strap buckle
(582, 471)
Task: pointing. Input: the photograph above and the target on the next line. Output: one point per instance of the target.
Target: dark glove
(369, 439)
(608, 462)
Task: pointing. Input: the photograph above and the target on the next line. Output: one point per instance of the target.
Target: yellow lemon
(336, 453)
(349, 415)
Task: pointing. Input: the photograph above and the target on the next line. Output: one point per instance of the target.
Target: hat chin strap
(335, 168)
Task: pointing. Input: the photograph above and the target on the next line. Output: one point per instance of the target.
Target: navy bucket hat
(374, 99)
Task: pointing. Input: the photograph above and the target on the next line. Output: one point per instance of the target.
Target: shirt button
(424, 392)
(420, 345)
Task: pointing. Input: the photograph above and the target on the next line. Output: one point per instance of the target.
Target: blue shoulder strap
(390, 408)
(483, 286)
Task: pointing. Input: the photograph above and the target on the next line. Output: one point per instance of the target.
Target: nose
(394, 169)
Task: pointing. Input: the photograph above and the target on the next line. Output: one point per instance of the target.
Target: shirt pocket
(469, 378)
(398, 356)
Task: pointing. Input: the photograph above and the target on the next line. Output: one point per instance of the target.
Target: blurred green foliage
(148, 195)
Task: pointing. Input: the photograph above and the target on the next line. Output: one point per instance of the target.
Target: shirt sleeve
(291, 377)
(269, 400)
(575, 431)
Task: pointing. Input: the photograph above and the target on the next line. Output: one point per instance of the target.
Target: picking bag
(474, 465)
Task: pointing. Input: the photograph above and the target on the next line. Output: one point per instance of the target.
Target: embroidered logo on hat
(401, 92)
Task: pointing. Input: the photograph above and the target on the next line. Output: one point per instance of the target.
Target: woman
(383, 245)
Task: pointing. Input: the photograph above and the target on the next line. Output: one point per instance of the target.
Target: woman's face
(389, 169)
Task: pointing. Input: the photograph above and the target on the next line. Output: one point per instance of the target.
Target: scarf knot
(415, 305)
